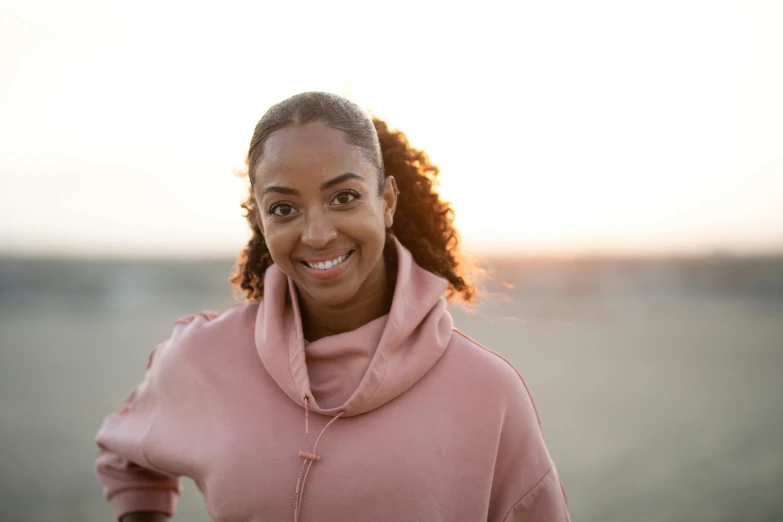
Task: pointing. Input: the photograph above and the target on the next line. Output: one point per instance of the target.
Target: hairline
(365, 153)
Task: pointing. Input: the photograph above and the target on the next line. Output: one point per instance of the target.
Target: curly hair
(423, 223)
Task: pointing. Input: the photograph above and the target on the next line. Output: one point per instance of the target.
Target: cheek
(365, 226)
(280, 242)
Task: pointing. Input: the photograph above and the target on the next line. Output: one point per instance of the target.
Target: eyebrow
(325, 185)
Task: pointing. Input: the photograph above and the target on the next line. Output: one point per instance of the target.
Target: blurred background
(616, 169)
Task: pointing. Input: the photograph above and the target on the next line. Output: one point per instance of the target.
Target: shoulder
(490, 375)
(483, 361)
(211, 323)
(203, 333)
(498, 386)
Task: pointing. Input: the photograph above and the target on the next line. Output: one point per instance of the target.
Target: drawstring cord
(307, 458)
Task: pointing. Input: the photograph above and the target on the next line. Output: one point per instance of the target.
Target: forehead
(308, 150)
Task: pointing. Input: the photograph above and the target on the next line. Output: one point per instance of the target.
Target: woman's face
(323, 220)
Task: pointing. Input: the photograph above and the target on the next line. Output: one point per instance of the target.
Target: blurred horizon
(748, 278)
(471, 256)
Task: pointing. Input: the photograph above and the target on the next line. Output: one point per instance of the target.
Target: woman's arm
(526, 485)
(144, 516)
(131, 483)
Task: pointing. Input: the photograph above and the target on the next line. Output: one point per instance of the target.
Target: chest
(394, 463)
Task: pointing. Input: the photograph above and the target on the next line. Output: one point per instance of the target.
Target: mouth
(330, 268)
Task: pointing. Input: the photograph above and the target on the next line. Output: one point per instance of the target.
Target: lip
(326, 257)
(330, 273)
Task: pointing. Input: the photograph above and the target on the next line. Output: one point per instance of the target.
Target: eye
(345, 197)
(282, 210)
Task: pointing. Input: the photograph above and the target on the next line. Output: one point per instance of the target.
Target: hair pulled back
(422, 222)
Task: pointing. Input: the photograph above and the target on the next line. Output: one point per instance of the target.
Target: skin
(319, 222)
(145, 516)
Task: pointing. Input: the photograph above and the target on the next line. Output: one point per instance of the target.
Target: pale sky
(560, 127)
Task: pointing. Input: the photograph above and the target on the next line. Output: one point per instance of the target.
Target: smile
(326, 265)
(329, 268)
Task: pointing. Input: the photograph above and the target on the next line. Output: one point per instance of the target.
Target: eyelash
(271, 209)
(356, 195)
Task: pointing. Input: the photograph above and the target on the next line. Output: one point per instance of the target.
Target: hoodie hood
(414, 336)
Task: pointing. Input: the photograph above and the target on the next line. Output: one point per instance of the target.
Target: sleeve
(131, 482)
(527, 487)
(546, 502)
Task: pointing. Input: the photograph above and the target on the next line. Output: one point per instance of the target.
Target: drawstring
(307, 459)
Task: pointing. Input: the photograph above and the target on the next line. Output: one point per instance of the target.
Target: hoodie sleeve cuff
(135, 500)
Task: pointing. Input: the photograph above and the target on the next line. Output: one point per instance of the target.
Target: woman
(344, 335)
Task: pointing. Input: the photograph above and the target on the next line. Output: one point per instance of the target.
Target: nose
(318, 230)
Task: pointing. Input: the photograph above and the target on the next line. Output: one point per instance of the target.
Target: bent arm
(131, 484)
(145, 516)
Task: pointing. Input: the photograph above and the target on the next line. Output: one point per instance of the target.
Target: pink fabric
(430, 425)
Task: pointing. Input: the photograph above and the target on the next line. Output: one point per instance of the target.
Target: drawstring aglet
(309, 456)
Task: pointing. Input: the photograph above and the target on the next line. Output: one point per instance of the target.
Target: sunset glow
(614, 127)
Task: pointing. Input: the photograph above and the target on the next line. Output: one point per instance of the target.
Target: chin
(332, 297)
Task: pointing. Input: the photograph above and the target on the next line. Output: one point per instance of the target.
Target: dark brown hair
(422, 222)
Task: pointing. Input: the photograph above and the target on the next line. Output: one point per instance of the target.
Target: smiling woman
(369, 156)
(322, 191)
(346, 279)
(310, 218)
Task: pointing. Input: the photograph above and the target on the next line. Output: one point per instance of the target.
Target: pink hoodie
(423, 422)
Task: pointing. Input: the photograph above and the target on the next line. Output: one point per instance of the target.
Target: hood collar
(416, 334)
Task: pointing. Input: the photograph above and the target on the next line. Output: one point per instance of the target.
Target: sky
(559, 127)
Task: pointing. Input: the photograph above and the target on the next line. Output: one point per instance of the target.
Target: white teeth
(326, 265)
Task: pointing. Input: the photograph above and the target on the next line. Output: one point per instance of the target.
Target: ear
(390, 193)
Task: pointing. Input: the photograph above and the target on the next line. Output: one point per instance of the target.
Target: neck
(321, 321)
